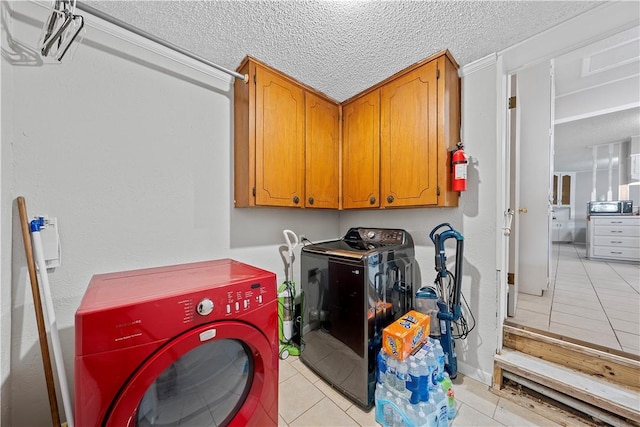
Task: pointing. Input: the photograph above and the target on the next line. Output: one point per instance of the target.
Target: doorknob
(523, 210)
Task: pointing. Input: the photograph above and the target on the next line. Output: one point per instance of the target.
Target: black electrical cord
(304, 239)
(461, 325)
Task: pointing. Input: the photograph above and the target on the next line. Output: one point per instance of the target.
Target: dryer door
(224, 373)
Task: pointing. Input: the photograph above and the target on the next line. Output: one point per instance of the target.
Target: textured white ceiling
(341, 47)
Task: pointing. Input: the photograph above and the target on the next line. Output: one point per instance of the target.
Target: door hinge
(437, 190)
(254, 191)
(512, 102)
(254, 79)
(437, 73)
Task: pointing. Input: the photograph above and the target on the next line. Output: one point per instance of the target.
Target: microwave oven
(619, 207)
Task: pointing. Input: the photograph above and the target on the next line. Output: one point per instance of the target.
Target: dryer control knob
(205, 307)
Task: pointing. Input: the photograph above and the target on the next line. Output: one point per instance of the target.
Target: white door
(532, 173)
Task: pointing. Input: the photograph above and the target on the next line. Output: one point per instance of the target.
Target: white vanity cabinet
(562, 225)
(614, 237)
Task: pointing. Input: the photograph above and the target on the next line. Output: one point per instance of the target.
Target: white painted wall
(5, 230)
(132, 153)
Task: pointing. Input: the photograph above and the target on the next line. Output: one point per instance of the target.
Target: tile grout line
(600, 301)
(553, 292)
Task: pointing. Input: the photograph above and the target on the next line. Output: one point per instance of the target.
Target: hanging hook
(63, 36)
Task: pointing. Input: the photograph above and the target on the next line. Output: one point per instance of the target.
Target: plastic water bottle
(413, 383)
(384, 411)
(412, 414)
(440, 398)
(447, 387)
(433, 370)
(402, 374)
(392, 365)
(382, 367)
(398, 419)
(439, 353)
(387, 410)
(423, 381)
(429, 412)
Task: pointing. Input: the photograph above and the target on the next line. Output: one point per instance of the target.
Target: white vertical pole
(610, 190)
(50, 317)
(594, 173)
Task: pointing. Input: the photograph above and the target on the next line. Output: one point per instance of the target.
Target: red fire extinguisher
(459, 169)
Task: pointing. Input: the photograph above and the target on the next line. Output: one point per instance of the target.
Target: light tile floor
(594, 301)
(306, 400)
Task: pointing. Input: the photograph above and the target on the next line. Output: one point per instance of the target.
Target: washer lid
(360, 242)
(342, 248)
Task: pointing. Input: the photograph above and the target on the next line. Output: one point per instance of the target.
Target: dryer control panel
(240, 300)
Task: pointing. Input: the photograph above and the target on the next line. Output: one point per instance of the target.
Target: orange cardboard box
(406, 334)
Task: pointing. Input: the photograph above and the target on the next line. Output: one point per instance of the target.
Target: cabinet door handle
(296, 199)
(390, 199)
(311, 200)
(616, 222)
(614, 241)
(616, 253)
(372, 200)
(616, 231)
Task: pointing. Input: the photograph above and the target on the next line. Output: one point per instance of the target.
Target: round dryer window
(212, 375)
(204, 387)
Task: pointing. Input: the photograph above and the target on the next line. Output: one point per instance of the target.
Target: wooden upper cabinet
(448, 126)
(269, 139)
(322, 120)
(361, 152)
(279, 141)
(409, 139)
(392, 148)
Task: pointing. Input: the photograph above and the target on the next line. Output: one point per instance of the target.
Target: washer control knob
(205, 307)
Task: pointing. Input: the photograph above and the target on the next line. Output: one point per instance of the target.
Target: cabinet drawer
(614, 253)
(619, 220)
(617, 241)
(616, 230)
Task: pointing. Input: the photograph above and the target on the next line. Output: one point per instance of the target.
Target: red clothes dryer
(188, 345)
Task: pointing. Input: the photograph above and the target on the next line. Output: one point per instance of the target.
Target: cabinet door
(563, 185)
(409, 139)
(279, 119)
(361, 152)
(322, 155)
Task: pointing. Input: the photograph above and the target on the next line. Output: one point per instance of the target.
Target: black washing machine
(353, 288)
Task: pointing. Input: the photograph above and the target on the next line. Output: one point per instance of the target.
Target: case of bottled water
(415, 392)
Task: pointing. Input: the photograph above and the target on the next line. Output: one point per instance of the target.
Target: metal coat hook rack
(61, 29)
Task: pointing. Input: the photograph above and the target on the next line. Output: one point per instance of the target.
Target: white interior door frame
(552, 111)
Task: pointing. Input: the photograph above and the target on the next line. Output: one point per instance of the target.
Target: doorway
(591, 301)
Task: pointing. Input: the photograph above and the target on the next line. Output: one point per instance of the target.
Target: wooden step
(597, 361)
(598, 392)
